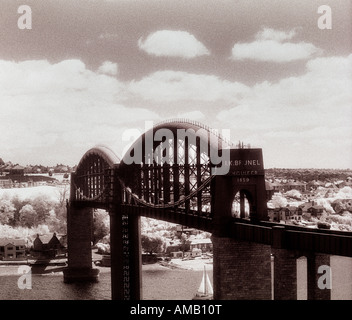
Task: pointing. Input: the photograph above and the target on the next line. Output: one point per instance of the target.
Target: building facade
(12, 249)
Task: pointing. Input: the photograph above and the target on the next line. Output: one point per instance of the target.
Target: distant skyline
(89, 70)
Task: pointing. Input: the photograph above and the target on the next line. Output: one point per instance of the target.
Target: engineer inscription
(246, 162)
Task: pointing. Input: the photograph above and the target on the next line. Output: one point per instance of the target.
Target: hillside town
(17, 176)
(325, 203)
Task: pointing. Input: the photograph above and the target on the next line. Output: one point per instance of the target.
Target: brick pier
(242, 270)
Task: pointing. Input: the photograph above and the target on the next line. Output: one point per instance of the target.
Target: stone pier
(79, 237)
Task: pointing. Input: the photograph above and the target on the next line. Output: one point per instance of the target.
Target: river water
(159, 283)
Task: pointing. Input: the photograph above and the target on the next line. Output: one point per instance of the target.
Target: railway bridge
(183, 172)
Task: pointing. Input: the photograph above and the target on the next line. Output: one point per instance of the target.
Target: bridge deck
(286, 236)
(292, 237)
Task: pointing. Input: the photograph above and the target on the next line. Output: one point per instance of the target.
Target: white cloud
(192, 115)
(171, 43)
(171, 85)
(277, 35)
(58, 111)
(310, 114)
(108, 35)
(109, 68)
(270, 46)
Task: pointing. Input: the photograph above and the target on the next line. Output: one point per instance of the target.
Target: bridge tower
(242, 268)
(89, 190)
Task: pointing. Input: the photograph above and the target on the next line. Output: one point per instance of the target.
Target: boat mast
(205, 281)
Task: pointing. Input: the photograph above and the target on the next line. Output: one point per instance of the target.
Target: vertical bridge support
(285, 270)
(285, 267)
(126, 263)
(315, 292)
(242, 269)
(79, 233)
(125, 247)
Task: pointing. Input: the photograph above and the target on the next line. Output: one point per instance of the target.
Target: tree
(60, 209)
(7, 211)
(101, 225)
(42, 205)
(185, 243)
(18, 205)
(278, 200)
(28, 216)
(152, 244)
(295, 194)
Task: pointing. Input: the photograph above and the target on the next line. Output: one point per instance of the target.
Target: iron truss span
(173, 181)
(169, 167)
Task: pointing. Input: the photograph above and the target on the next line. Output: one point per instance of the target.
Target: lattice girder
(174, 171)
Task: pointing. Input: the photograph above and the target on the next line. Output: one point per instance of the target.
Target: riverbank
(56, 266)
(196, 264)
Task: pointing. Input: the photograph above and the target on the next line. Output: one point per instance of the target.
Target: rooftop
(15, 242)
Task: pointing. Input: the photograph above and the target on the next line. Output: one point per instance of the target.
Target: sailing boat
(205, 290)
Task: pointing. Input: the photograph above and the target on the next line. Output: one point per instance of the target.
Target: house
(172, 248)
(46, 246)
(277, 187)
(12, 249)
(296, 185)
(269, 189)
(5, 183)
(311, 209)
(60, 168)
(313, 185)
(316, 211)
(274, 214)
(182, 229)
(286, 214)
(36, 169)
(291, 213)
(5, 170)
(17, 170)
(295, 213)
(203, 244)
(177, 254)
(196, 252)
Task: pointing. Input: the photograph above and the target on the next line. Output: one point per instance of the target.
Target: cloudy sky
(87, 71)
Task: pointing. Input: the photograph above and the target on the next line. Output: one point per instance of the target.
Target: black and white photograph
(180, 150)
